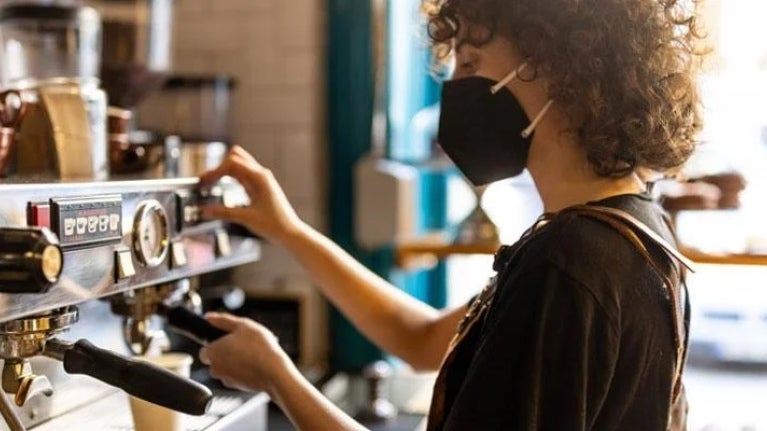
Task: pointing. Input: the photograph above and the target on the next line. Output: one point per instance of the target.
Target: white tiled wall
(275, 49)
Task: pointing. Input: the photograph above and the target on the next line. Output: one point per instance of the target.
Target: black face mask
(483, 128)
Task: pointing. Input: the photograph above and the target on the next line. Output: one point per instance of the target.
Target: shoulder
(538, 295)
(587, 249)
(586, 255)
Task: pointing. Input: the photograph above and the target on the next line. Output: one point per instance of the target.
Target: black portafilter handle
(136, 377)
(192, 325)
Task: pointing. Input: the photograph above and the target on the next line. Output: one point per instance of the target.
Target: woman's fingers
(251, 175)
(212, 176)
(203, 355)
(247, 358)
(231, 166)
(269, 212)
(246, 156)
(222, 321)
(239, 165)
(220, 212)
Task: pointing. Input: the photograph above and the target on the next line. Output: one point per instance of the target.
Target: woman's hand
(269, 213)
(249, 358)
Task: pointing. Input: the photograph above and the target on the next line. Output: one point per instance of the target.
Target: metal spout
(18, 380)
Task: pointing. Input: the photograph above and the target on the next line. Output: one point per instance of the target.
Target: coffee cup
(151, 417)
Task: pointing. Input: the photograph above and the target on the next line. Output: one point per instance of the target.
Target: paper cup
(151, 417)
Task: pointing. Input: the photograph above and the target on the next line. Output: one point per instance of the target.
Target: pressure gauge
(150, 233)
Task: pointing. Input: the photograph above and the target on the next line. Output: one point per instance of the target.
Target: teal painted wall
(350, 109)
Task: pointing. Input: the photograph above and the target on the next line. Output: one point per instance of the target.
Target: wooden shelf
(425, 252)
(724, 259)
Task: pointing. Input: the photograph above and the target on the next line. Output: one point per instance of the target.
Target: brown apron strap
(628, 226)
(475, 313)
(641, 227)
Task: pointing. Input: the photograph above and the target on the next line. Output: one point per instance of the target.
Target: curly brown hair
(623, 71)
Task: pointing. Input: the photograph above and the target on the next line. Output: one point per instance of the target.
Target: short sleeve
(545, 359)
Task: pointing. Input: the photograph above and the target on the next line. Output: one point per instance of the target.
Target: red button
(40, 215)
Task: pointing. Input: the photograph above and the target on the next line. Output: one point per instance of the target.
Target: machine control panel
(189, 205)
(86, 221)
(65, 243)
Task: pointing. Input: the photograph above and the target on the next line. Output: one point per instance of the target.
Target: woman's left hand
(249, 358)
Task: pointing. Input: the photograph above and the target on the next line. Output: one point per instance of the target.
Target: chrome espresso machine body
(68, 253)
(85, 255)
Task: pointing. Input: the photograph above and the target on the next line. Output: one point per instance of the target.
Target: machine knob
(30, 260)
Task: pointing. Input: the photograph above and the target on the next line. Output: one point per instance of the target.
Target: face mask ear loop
(531, 128)
(510, 77)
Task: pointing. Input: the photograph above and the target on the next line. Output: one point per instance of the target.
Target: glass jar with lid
(41, 43)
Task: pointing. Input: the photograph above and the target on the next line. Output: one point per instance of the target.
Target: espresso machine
(97, 268)
(70, 255)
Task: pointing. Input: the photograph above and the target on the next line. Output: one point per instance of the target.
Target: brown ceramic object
(118, 120)
(7, 135)
(12, 110)
(126, 157)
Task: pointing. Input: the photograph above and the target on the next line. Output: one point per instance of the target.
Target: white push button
(114, 222)
(93, 224)
(192, 214)
(103, 223)
(82, 223)
(178, 254)
(124, 265)
(69, 226)
(223, 246)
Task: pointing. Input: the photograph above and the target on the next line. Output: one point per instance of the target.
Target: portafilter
(27, 337)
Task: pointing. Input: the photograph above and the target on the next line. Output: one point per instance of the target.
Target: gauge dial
(150, 233)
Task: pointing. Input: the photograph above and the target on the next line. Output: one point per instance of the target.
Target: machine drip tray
(230, 411)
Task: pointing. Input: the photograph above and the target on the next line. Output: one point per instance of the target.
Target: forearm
(306, 407)
(395, 321)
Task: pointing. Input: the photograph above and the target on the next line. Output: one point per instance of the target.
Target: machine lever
(138, 378)
(191, 324)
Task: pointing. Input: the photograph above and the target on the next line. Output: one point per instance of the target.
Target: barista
(580, 330)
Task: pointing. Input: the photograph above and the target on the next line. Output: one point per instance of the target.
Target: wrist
(284, 379)
(295, 233)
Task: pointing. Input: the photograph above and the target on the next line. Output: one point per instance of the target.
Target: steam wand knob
(31, 260)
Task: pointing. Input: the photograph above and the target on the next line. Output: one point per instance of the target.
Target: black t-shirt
(579, 335)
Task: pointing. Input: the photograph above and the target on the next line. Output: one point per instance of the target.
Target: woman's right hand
(269, 213)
